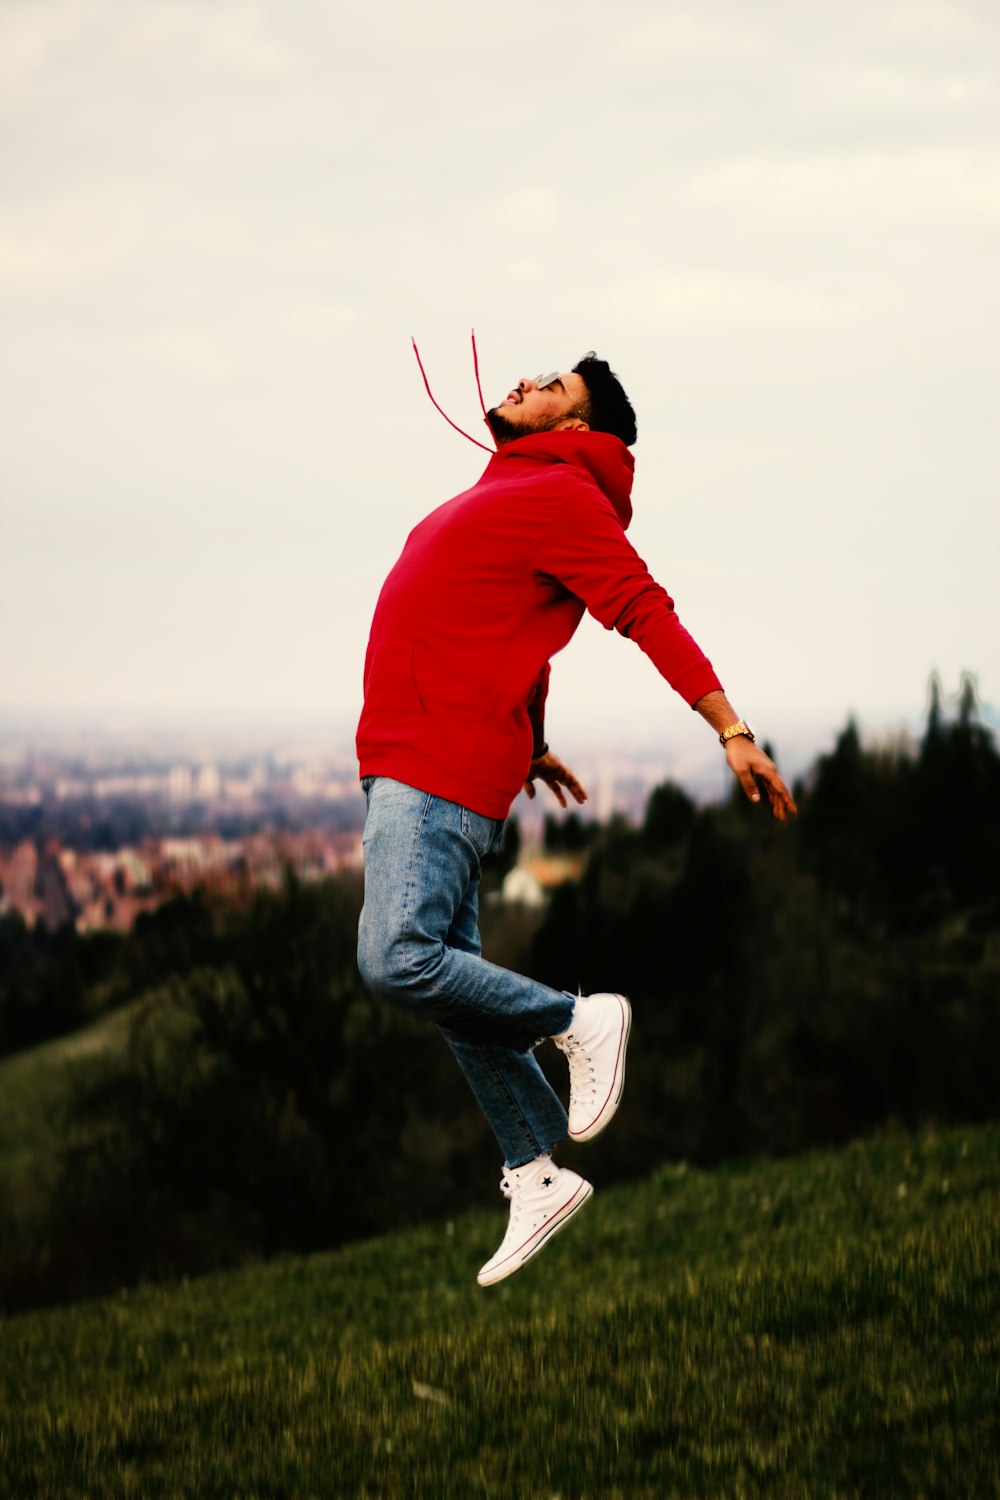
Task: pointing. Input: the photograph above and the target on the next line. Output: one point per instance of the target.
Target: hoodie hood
(604, 456)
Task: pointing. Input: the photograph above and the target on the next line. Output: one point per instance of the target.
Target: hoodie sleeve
(585, 548)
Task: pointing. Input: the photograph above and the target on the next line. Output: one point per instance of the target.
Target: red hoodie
(487, 588)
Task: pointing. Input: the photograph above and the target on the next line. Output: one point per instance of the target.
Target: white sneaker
(594, 1044)
(543, 1199)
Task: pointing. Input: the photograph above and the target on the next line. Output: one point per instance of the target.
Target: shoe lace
(509, 1190)
(521, 1202)
(582, 1078)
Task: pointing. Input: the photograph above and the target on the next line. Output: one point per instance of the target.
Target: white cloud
(689, 37)
(52, 40)
(96, 230)
(938, 23)
(30, 35)
(734, 302)
(318, 321)
(234, 37)
(194, 351)
(931, 94)
(904, 186)
(522, 268)
(32, 263)
(528, 211)
(65, 241)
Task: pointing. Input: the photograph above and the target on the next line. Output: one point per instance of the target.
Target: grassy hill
(827, 1326)
(35, 1085)
(36, 1123)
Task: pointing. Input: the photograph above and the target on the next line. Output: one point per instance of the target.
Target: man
(488, 587)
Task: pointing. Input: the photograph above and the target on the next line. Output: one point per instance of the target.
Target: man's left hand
(747, 761)
(550, 769)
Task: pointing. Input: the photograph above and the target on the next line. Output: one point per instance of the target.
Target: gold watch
(741, 727)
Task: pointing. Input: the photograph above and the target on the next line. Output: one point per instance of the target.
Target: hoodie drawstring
(475, 366)
(427, 387)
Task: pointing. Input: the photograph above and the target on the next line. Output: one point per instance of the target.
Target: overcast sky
(222, 223)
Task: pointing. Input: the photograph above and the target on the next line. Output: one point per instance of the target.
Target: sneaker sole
(609, 1108)
(538, 1239)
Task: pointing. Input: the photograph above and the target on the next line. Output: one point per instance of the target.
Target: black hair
(609, 409)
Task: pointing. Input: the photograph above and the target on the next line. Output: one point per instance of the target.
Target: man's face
(530, 407)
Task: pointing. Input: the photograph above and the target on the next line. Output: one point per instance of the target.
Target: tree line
(791, 987)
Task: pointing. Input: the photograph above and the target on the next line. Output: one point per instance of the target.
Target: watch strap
(741, 727)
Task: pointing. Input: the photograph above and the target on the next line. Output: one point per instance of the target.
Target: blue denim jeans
(419, 948)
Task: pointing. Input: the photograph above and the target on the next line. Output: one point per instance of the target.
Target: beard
(505, 431)
(502, 430)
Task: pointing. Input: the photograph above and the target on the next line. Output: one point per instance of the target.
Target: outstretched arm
(746, 759)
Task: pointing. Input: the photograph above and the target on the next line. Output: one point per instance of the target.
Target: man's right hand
(550, 769)
(748, 763)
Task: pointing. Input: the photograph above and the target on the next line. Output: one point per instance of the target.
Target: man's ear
(572, 424)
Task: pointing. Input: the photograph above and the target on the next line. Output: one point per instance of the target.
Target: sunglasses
(542, 381)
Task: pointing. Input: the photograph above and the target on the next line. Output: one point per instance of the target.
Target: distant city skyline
(599, 751)
(220, 226)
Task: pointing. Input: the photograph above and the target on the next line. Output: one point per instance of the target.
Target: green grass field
(35, 1086)
(824, 1326)
(36, 1120)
